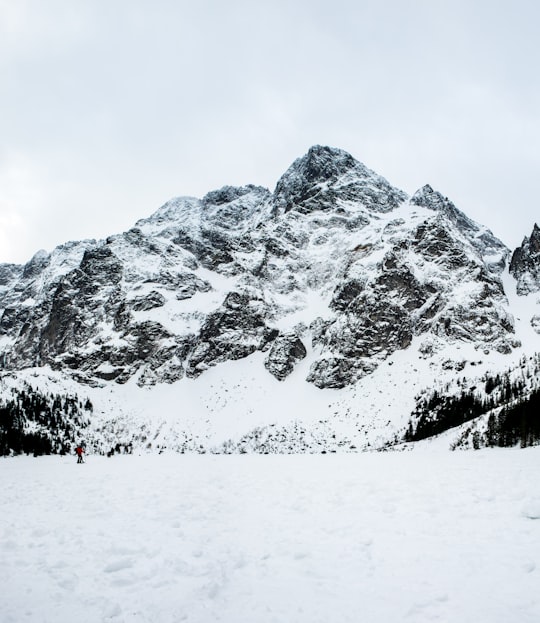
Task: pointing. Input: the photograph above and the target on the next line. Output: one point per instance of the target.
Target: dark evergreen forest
(516, 424)
(33, 422)
(513, 405)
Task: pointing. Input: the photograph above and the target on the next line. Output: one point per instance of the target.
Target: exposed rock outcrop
(525, 264)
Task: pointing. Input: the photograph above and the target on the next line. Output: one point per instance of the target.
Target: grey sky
(109, 108)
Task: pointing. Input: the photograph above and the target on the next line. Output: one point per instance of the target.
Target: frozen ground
(375, 538)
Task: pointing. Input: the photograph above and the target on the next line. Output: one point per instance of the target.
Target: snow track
(414, 536)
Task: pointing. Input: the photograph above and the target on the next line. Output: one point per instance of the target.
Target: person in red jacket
(79, 450)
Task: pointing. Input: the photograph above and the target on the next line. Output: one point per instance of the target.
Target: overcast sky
(108, 108)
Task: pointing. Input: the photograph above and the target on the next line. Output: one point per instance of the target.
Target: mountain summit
(326, 175)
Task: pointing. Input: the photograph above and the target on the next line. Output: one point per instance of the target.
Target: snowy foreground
(375, 538)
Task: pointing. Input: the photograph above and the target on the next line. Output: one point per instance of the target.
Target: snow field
(414, 536)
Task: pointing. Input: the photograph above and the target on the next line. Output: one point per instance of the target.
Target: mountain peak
(321, 164)
(324, 176)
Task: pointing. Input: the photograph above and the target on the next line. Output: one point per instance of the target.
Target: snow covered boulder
(285, 352)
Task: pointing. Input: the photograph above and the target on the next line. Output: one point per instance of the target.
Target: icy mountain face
(336, 266)
(525, 264)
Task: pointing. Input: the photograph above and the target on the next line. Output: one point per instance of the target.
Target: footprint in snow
(118, 565)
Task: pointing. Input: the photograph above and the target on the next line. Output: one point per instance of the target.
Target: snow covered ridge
(324, 283)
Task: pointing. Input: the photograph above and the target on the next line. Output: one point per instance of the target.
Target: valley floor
(375, 538)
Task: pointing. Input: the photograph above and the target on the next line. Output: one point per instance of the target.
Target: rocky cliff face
(335, 262)
(525, 264)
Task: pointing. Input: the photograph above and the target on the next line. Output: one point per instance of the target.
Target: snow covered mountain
(324, 292)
